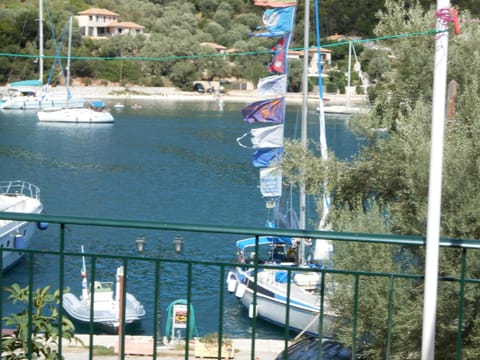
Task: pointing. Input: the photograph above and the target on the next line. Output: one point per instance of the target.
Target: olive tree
(384, 189)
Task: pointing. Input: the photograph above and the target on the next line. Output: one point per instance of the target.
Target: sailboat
(93, 112)
(348, 108)
(33, 94)
(289, 281)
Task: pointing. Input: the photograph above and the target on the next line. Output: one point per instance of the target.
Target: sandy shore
(168, 93)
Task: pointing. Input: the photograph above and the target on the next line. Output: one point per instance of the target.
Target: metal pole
(67, 83)
(40, 40)
(120, 311)
(435, 184)
(302, 201)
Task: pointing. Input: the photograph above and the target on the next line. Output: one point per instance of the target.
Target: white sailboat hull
(340, 109)
(18, 197)
(83, 115)
(304, 313)
(39, 103)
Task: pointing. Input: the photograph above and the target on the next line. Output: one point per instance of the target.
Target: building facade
(102, 23)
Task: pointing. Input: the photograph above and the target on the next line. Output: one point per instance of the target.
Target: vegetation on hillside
(171, 53)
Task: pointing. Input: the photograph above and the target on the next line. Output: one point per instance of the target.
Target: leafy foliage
(37, 326)
(385, 190)
(175, 28)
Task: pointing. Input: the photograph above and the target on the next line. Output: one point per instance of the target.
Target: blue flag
(267, 157)
(277, 21)
(267, 111)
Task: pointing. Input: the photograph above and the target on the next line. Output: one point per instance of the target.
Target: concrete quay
(140, 348)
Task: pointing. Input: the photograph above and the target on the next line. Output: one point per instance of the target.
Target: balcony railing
(163, 274)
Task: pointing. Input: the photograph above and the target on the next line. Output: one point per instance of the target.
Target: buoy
(42, 225)
(19, 242)
(240, 290)
(251, 314)
(231, 282)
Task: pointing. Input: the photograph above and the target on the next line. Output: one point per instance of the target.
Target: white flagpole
(435, 184)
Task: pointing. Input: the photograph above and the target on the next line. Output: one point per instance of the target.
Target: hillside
(171, 52)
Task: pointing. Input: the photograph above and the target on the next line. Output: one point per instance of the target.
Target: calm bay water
(172, 161)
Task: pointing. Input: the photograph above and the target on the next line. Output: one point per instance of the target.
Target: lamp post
(140, 243)
(178, 243)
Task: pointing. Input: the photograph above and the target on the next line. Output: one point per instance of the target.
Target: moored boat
(103, 307)
(18, 197)
(94, 113)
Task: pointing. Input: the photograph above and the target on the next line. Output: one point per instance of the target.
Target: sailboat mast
(69, 53)
(303, 138)
(349, 71)
(40, 40)
(302, 215)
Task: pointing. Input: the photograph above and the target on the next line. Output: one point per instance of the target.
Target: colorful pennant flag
(274, 3)
(267, 111)
(277, 21)
(278, 63)
(266, 137)
(272, 85)
(267, 157)
(271, 181)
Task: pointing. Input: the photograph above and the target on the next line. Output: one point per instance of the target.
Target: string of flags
(267, 140)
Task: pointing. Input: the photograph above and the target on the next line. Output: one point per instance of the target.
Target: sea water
(169, 161)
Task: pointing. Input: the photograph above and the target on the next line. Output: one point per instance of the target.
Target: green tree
(394, 172)
(385, 190)
(37, 327)
(183, 75)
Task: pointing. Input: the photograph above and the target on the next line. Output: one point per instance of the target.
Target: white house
(102, 23)
(326, 58)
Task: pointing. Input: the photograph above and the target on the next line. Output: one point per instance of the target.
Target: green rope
(171, 58)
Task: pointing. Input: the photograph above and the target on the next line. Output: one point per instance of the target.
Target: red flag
(278, 63)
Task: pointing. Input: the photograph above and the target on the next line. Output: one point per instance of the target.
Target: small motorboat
(118, 106)
(106, 304)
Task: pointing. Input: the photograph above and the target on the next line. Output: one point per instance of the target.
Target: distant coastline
(171, 93)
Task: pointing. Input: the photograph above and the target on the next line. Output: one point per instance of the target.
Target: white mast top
(40, 40)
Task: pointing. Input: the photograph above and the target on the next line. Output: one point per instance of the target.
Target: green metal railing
(189, 267)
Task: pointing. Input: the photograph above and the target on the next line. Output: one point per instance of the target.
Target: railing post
(61, 285)
(355, 314)
(189, 312)
(30, 305)
(254, 303)
(461, 304)
(121, 305)
(156, 309)
(390, 314)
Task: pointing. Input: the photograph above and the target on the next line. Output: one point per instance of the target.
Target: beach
(171, 93)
